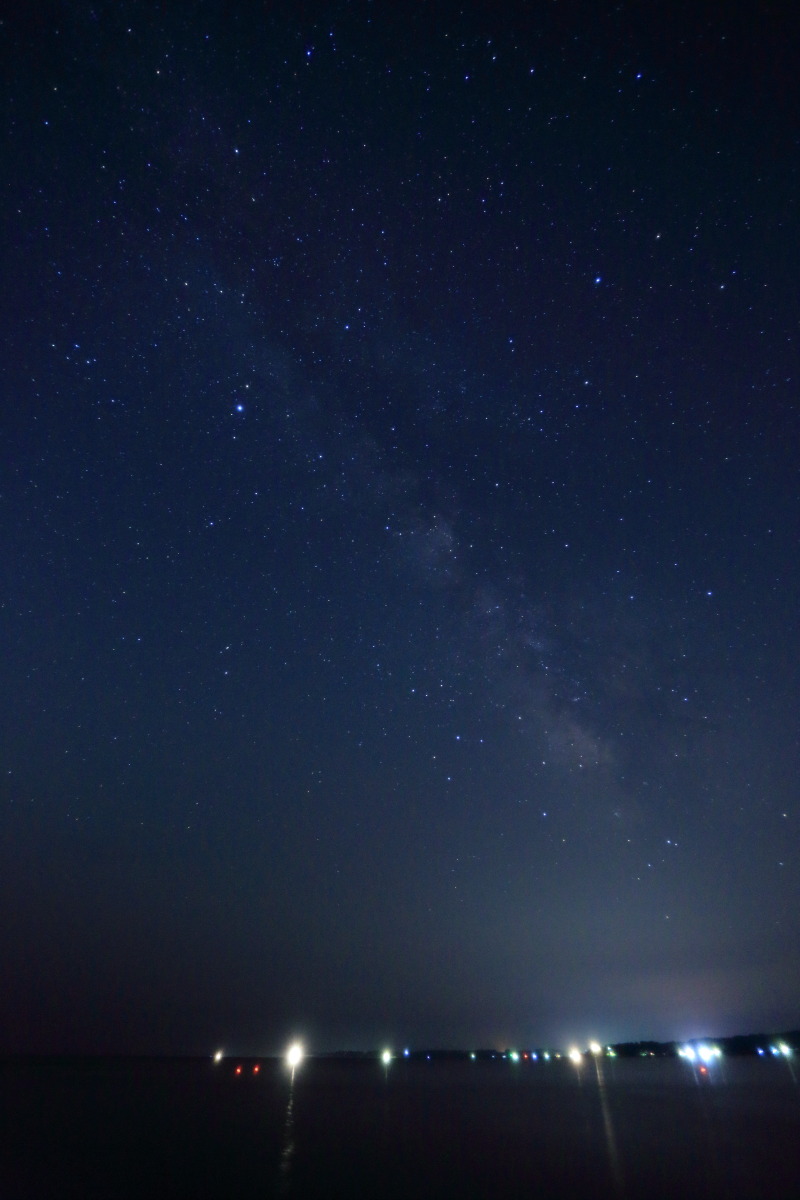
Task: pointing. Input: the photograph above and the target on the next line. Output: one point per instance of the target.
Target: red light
(255, 1069)
(704, 1070)
(238, 1070)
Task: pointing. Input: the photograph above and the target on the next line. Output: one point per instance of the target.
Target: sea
(642, 1128)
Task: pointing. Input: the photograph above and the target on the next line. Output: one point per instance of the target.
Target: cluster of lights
(702, 1054)
(595, 1049)
(295, 1054)
(574, 1054)
(705, 1054)
(780, 1050)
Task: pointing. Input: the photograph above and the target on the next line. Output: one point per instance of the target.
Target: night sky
(400, 521)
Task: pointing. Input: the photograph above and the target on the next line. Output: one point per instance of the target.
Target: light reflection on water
(452, 1128)
(287, 1153)
(608, 1128)
(653, 1131)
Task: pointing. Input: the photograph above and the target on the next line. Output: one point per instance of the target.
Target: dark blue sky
(399, 524)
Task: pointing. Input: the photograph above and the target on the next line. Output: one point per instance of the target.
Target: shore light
(386, 1057)
(294, 1055)
(575, 1055)
(218, 1056)
(595, 1048)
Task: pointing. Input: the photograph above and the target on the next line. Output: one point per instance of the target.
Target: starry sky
(399, 524)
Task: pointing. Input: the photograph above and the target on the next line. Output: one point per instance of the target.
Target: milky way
(400, 522)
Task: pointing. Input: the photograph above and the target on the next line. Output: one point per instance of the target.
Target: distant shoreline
(738, 1045)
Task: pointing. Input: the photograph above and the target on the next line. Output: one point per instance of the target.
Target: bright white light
(546, 1056)
(514, 1056)
(386, 1057)
(595, 1048)
(294, 1055)
(785, 1050)
(705, 1053)
(688, 1052)
(472, 1056)
(218, 1056)
(576, 1055)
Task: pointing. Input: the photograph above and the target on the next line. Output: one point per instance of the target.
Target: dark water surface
(186, 1128)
